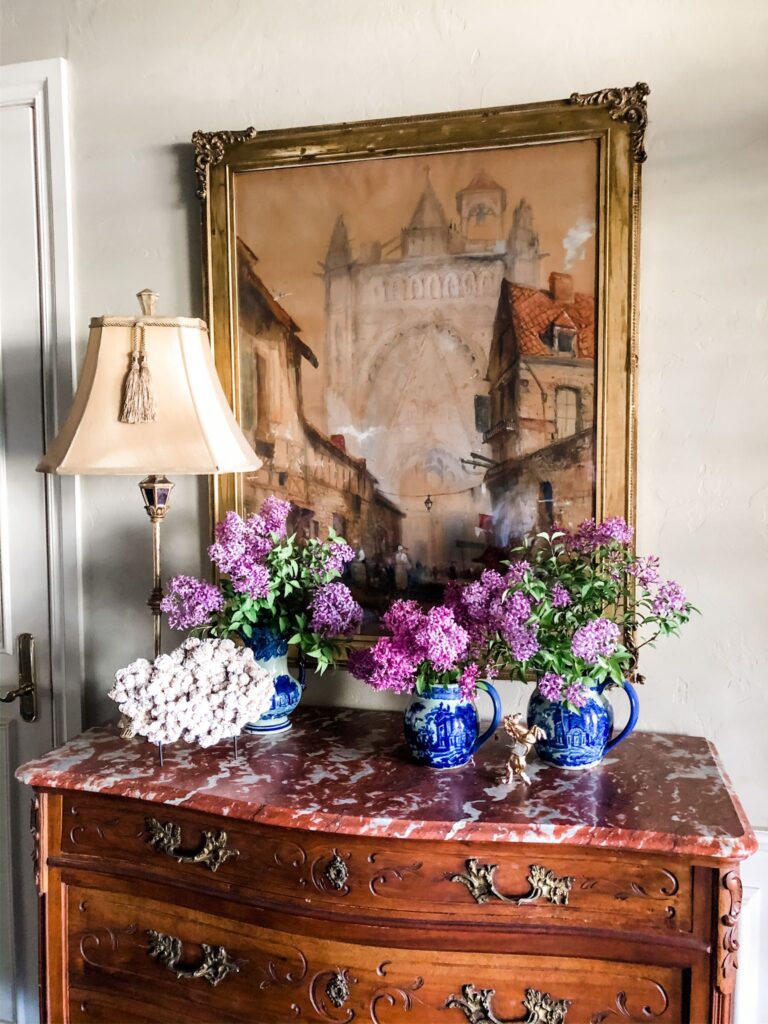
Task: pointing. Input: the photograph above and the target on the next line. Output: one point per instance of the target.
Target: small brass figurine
(523, 739)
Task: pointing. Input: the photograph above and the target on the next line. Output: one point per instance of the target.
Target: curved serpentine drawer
(464, 882)
(139, 959)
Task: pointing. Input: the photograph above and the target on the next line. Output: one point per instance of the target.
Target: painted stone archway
(418, 420)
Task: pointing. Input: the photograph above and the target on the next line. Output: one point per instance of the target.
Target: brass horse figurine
(523, 739)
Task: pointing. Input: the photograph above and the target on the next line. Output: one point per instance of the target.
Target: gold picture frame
(613, 119)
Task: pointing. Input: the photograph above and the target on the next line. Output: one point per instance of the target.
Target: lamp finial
(148, 301)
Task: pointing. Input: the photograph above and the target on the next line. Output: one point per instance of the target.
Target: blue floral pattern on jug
(441, 727)
(579, 739)
(271, 652)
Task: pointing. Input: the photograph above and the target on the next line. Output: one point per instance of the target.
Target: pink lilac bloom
(468, 681)
(393, 667)
(577, 694)
(598, 638)
(443, 641)
(561, 597)
(670, 598)
(645, 570)
(334, 611)
(274, 513)
(551, 686)
(404, 619)
(190, 602)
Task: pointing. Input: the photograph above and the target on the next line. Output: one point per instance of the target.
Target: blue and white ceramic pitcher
(442, 728)
(271, 652)
(579, 739)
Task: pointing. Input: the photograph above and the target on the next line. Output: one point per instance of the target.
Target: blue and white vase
(579, 739)
(271, 652)
(442, 729)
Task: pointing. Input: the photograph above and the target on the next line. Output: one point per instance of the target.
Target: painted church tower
(523, 256)
(339, 304)
(481, 208)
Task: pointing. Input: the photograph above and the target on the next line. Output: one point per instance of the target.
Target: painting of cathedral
(417, 354)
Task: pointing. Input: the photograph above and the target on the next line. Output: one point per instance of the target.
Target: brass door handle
(26, 692)
(544, 885)
(214, 965)
(475, 1004)
(166, 838)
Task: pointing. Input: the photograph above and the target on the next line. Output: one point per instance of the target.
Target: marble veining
(347, 771)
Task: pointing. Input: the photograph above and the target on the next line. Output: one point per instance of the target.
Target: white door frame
(43, 86)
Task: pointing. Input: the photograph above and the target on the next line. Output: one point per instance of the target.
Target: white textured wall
(146, 73)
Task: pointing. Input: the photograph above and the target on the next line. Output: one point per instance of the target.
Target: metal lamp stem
(156, 492)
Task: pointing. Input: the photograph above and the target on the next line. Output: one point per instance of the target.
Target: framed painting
(426, 327)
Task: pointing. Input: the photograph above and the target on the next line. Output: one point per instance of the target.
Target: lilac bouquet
(574, 611)
(426, 649)
(270, 581)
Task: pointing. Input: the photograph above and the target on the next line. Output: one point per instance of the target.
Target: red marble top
(343, 770)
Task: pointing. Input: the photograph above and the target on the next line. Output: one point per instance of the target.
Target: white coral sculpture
(203, 692)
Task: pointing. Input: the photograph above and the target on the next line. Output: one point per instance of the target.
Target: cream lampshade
(149, 399)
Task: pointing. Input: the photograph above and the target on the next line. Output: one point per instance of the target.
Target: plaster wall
(146, 73)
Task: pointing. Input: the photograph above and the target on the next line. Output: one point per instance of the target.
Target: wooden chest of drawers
(352, 886)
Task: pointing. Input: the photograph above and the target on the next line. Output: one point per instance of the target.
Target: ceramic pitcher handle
(483, 684)
(634, 711)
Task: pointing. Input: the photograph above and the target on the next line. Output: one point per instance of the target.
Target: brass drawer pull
(545, 885)
(166, 838)
(214, 966)
(475, 1003)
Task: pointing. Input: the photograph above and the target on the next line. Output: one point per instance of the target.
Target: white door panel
(37, 516)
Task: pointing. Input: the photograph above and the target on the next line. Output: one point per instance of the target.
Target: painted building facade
(541, 377)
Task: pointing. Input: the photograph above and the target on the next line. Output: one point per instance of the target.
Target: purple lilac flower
(442, 639)
(590, 535)
(670, 598)
(230, 542)
(334, 611)
(361, 663)
(561, 596)
(516, 572)
(240, 543)
(338, 556)
(577, 694)
(250, 579)
(597, 638)
(522, 642)
(274, 513)
(468, 681)
(190, 602)
(645, 570)
(551, 686)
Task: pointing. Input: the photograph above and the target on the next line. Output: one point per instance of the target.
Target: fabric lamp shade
(191, 428)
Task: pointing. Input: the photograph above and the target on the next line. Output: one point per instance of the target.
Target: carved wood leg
(728, 910)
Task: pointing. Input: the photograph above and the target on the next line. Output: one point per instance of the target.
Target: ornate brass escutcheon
(475, 1004)
(337, 989)
(545, 885)
(214, 966)
(26, 692)
(166, 838)
(336, 871)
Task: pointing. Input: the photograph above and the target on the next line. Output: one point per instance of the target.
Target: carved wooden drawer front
(137, 959)
(474, 883)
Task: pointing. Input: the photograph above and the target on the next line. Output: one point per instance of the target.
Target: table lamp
(149, 400)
